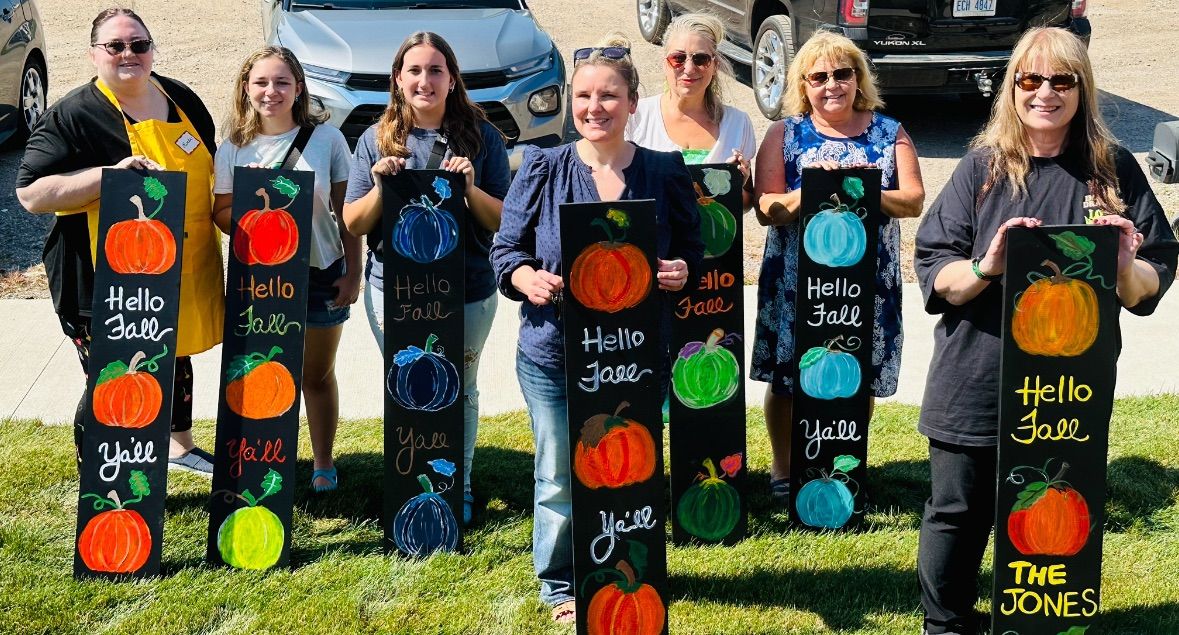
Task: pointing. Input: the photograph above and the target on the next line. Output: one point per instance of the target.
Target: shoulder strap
(297, 147)
(438, 152)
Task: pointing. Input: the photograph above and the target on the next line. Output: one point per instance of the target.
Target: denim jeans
(552, 506)
(477, 325)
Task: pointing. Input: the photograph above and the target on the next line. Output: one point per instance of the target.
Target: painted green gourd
(706, 373)
(711, 508)
(252, 537)
(718, 227)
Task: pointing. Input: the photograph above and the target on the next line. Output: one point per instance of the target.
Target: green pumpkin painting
(706, 373)
(252, 537)
(718, 226)
(711, 508)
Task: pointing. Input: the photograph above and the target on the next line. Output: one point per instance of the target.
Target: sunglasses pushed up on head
(1061, 83)
(677, 59)
(608, 52)
(116, 47)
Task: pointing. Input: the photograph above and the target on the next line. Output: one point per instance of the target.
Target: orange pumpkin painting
(141, 245)
(1049, 517)
(613, 451)
(625, 607)
(611, 275)
(124, 396)
(259, 387)
(268, 236)
(117, 540)
(1056, 316)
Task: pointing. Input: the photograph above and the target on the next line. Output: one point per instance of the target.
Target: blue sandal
(329, 475)
(780, 490)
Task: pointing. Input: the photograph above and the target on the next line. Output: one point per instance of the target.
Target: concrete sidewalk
(40, 377)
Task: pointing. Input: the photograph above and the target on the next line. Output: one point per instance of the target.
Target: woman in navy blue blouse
(526, 255)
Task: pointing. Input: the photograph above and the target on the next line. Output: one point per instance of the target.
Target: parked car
(915, 46)
(509, 64)
(23, 79)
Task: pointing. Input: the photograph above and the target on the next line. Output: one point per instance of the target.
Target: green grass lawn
(776, 581)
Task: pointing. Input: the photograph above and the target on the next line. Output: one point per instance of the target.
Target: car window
(407, 4)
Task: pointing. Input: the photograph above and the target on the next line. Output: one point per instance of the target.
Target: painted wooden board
(252, 503)
(707, 401)
(124, 468)
(1059, 363)
(613, 357)
(425, 212)
(832, 364)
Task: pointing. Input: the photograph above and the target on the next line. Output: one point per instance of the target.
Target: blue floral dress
(773, 346)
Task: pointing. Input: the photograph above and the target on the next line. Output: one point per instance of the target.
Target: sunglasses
(1061, 83)
(116, 47)
(820, 78)
(608, 52)
(700, 60)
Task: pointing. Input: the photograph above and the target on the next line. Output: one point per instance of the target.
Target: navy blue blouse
(530, 231)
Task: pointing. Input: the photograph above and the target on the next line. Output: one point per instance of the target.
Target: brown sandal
(565, 612)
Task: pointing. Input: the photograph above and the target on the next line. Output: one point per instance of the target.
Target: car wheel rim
(32, 97)
(769, 70)
(648, 12)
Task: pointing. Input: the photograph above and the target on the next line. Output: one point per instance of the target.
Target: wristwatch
(982, 276)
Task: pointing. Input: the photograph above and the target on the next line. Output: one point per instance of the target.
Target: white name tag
(188, 143)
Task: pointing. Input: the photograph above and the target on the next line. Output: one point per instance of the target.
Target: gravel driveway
(202, 44)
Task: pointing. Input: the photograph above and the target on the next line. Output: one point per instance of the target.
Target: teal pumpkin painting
(711, 508)
(831, 371)
(828, 502)
(836, 237)
(252, 537)
(706, 373)
(718, 226)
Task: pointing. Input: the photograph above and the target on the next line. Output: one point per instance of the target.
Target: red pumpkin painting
(613, 451)
(1056, 316)
(117, 540)
(268, 236)
(1049, 518)
(611, 275)
(141, 245)
(124, 396)
(628, 606)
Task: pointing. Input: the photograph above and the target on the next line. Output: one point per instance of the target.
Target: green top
(695, 157)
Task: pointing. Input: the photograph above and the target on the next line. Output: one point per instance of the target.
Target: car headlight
(546, 101)
(527, 67)
(329, 75)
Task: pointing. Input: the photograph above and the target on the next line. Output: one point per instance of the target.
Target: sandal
(468, 508)
(328, 474)
(565, 612)
(780, 489)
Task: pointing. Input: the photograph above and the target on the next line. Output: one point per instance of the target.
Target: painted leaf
(853, 186)
(1029, 495)
(242, 365)
(731, 464)
(139, 483)
(690, 349)
(442, 187)
(408, 355)
(1072, 245)
(619, 218)
(111, 371)
(717, 182)
(442, 466)
(286, 186)
(154, 188)
(271, 483)
(846, 463)
(638, 557)
(1075, 630)
(812, 357)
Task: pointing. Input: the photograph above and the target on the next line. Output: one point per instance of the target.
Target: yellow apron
(202, 295)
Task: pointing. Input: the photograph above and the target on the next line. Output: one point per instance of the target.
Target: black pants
(959, 516)
(78, 330)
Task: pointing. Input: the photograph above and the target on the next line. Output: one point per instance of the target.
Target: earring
(452, 86)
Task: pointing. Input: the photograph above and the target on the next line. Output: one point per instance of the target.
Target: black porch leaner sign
(707, 400)
(252, 504)
(1059, 361)
(124, 470)
(423, 228)
(832, 364)
(613, 357)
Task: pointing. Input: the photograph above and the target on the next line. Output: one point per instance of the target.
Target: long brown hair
(1007, 139)
(244, 123)
(461, 119)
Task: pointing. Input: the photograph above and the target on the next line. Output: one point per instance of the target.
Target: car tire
(654, 16)
(32, 96)
(772, 51)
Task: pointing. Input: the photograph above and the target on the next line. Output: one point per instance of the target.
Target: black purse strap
(437, 152)
(297, 147)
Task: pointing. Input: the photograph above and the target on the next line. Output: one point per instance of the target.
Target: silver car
(509, 64)
(22, 68)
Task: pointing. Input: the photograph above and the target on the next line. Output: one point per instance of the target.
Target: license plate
(974, 8)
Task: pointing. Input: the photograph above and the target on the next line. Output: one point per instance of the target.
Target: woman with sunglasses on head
(835, 124)
(601, 166)
(269, 120)
(430, 122)
(690, 116)
(127, 117)
(1044, 157)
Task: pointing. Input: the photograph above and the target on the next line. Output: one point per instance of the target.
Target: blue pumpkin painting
(836, 237)
(828, 502)
(425, 523)
(423, 379)
(827, 372)
(425, 232)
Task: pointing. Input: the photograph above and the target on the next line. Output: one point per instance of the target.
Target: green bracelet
(982, 276)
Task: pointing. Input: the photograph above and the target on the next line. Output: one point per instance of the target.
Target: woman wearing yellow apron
(127, 118)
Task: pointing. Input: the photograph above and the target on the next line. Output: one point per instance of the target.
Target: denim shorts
(321, 312)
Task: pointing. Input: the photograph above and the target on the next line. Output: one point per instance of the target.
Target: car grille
(378, 82)
(366, 115)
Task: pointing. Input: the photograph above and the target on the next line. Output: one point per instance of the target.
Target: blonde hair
(244, 123)
(833, 48)
(711, 28)
(625, 67)
(1007, 139)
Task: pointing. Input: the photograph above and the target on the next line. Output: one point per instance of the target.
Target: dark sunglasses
(820, 78)
(116, 47)
(608, 52)
(1061, 83)
(700, 60)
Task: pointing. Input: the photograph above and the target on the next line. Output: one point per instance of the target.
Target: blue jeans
(477, 325)
(552, 507)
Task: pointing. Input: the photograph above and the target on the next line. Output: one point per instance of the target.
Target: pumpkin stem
(114, 496)
(265, 199)
(708, 465)
(427, 486)
(430, 343)
(99, 502)
(714, 338)
(135, 359)
(1060, 475)
(1057, 276)
(831, 343)
(138, 203)
(701, 197)
(627, 571)
(621, 406)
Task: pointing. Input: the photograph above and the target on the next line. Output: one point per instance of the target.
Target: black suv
(915, 46)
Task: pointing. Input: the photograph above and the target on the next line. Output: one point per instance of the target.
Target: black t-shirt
(961, 403)
(84, 130)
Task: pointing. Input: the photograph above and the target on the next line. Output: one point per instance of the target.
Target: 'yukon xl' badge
(898, 39)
